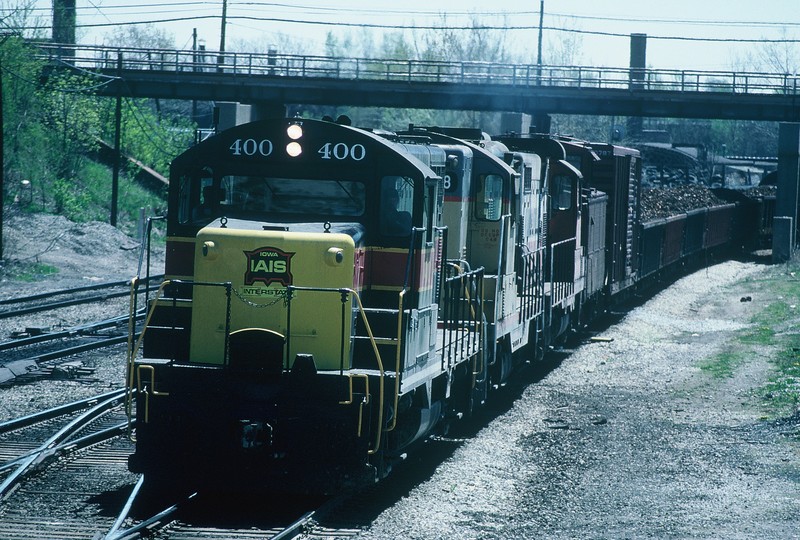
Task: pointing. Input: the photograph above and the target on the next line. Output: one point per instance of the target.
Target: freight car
(335, 295)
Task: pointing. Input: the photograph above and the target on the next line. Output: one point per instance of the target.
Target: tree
(144, 36)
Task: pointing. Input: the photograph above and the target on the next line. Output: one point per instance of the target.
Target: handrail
(561, 290)
(379, 361)
(412, 70)
(398, 358)
(133, 349)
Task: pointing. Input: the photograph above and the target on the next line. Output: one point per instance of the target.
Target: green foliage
(772, 333)
(782, 393)
(52, 123)
(152, 139)
(73, 120)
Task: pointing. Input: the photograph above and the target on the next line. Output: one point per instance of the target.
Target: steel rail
(295, 528)
(81, 330)
(60, 292)
(69, 351)
(82, 442)
(55, 443)
(145, 526)
(55, 412)
(126, 509)
(68, 303)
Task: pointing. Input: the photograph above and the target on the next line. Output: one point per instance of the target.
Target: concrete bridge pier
(784, 230)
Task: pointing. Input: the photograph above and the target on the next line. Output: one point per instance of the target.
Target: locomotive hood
(260, 265)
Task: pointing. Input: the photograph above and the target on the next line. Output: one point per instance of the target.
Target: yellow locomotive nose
(261, 267)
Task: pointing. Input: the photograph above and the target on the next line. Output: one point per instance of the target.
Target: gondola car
(335, 295)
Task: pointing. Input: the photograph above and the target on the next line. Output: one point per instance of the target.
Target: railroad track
(63, 469)
(63, 474)
(29, 442)
(39, 350)
(24, 305)
(37, 356)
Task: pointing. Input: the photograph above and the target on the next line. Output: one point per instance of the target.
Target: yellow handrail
(380, 371)
(365, 401)
(133, 349)
(398, 357)
(152, 391)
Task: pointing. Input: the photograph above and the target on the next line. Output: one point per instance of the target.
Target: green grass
(781, 395)
(30, 272)
(724, 364)
(88, 198)
(774, 329)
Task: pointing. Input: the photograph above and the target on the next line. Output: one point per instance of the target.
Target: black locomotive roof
(326, 146)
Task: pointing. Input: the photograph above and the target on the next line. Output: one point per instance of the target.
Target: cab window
(198, 199)
(489, 198)
(562, 192)
(397, 202)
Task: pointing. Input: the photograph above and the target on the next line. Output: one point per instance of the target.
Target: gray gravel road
(627, 439)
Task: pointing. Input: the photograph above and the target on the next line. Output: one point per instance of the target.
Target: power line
(436, 27)
(428, 13)
(472, 27)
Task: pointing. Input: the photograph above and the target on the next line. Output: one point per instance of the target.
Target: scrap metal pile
(660, 203)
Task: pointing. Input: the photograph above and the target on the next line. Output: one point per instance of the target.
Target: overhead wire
(432, 27)
(426, 13)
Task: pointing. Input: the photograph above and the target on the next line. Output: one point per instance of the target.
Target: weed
(774, 330)
(724, 364)
(30, 272)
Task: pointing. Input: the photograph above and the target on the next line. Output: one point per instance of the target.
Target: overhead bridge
(419, 84)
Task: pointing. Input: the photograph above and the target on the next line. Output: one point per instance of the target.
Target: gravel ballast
(626, 437)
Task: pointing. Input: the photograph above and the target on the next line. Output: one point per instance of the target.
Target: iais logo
(268, 265)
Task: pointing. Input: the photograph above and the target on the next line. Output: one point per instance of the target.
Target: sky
(678, 30)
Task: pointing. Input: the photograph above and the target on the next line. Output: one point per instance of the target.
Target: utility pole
(64, 19)
(117, 144)
(541, 120)
(194, 68)
(224, 23)
(2, 161)
(541, 27)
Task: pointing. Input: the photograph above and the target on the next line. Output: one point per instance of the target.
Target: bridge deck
(291, 79)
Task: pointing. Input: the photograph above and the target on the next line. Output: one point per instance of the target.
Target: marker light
(294, 132)
(294, 149)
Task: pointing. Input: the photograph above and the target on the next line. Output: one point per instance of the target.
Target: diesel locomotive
(334, 295)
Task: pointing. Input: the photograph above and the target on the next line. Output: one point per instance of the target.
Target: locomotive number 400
(342, 151)
(338, 151)
(251, 147)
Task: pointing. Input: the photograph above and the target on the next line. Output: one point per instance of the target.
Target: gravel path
(627, 439)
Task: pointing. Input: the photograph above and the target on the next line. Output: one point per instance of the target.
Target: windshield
(256, 197)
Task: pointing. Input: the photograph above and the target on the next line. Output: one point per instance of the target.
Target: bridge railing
(239, 64)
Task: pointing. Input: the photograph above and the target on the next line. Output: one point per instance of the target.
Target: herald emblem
(268, 265)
